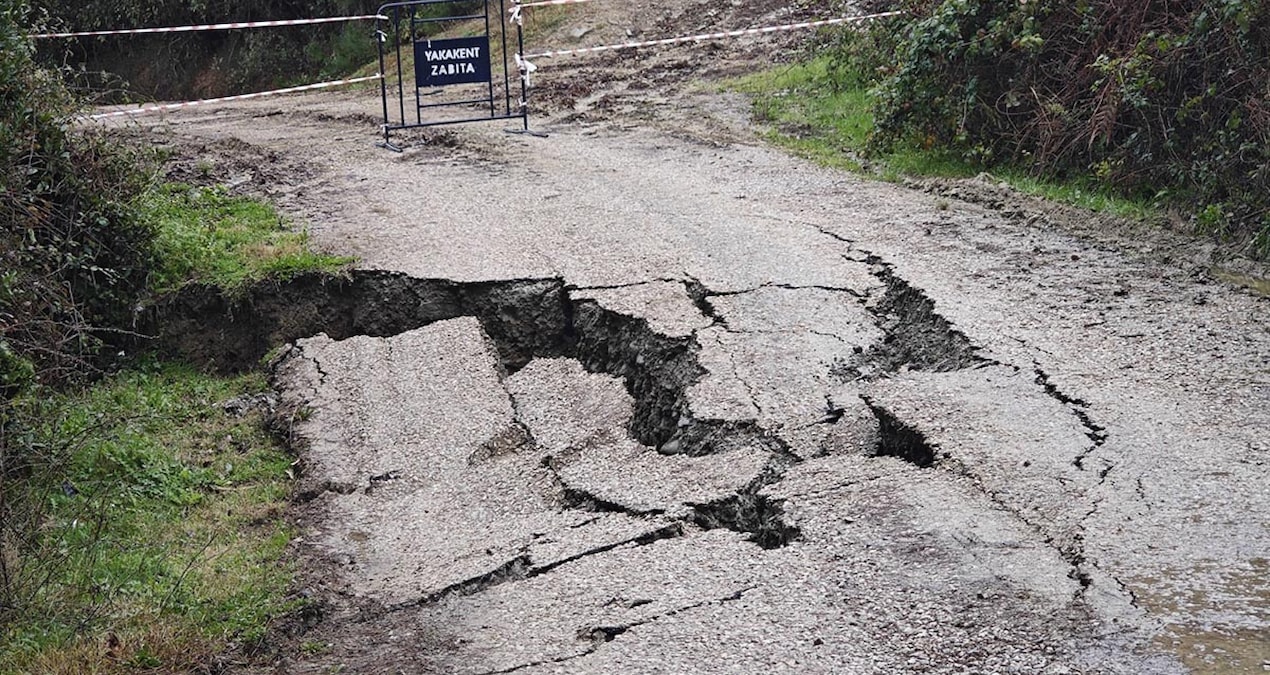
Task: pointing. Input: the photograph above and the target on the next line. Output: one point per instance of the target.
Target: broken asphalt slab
(542, 536)
(1034, 452)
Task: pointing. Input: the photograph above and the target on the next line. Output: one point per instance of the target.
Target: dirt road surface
(649, 396)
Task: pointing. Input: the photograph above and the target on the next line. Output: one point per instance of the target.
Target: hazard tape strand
(526, 70)
(239, 97)
(212, 26)
(716, 36)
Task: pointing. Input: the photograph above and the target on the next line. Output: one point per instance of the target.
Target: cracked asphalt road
(797, 421)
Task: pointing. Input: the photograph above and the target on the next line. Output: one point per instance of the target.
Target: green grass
(806, 113)
(141, 526)
(207, 235)
(159, 532)
(1078, 194)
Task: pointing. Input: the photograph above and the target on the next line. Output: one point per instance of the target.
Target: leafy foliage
(74, 256)
(1168, 99)
(208, 64)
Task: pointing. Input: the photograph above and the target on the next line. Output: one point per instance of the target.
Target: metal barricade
(432, 81)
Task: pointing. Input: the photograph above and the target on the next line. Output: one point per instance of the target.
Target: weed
(312, 647)
(813, 110)
(159, 533)
(207, 235)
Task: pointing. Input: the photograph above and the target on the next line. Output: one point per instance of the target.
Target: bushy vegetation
(139, 521)
(175, 66)
(823, 109)
(1164, 100)
(74, 257)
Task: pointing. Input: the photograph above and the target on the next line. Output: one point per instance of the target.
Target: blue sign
(452, 61)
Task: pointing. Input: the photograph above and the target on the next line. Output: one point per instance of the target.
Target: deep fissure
(917, 337)
(751, 511)
(537, 318)
(900, 440)
(525, 319)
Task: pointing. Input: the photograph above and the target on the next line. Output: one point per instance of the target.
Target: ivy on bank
(1165, 100)
(74, 257)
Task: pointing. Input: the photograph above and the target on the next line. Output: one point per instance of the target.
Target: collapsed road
(649, 396)
(781, 424)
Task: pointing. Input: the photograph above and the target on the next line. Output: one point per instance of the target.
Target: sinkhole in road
(539, 318)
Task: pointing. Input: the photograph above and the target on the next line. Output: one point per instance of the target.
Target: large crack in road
(538, 487)
(647, 396)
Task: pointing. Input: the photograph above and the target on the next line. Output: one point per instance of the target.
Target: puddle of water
(1207, 610)
(1258, 285)
(1217, 652)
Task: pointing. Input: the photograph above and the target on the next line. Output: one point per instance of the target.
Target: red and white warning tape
(716, 36)
(212, 26)
(226, 99)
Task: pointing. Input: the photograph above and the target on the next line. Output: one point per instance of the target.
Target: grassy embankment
(155, 535)
(826, 119)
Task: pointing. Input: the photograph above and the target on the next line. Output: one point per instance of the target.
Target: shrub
(1171, 100)
(73, 254)
(176, 66)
